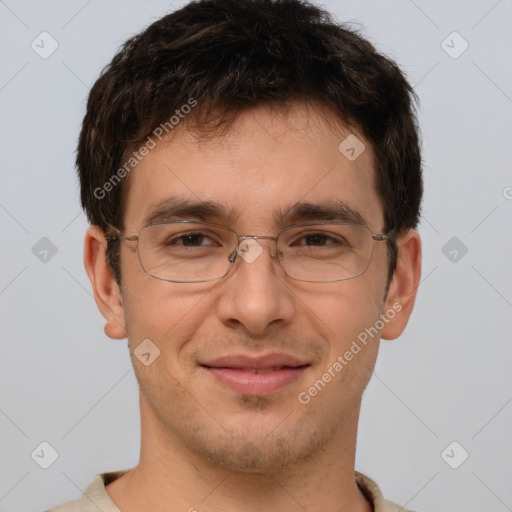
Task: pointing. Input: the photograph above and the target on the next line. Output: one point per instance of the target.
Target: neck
(171, 476)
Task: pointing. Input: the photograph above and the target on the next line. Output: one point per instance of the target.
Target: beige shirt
(95, 497)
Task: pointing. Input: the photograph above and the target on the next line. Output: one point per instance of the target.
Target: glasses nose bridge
(256, 237)
(243, 238)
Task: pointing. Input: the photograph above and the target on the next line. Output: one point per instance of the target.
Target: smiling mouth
(256, 381)
(255, 370)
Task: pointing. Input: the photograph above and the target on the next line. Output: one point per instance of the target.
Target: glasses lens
(327, 252)
(185, 251)
(193, 252)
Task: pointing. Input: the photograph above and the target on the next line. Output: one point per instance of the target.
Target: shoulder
(94, 498)
(371, 490)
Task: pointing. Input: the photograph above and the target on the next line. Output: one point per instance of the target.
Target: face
(201, 393)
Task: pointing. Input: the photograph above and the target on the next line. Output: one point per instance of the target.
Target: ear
(106, 290)
(404, 285)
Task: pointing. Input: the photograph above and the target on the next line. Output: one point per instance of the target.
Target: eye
(191, 239)
(318, 239)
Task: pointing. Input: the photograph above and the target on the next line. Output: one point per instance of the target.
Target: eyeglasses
(187, 251)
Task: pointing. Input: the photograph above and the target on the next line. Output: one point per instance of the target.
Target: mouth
(256, 376)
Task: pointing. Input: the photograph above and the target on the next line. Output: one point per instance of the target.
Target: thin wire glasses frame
(237, 241)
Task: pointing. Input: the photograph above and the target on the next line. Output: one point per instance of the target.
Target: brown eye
(191, 240)
(317, 239)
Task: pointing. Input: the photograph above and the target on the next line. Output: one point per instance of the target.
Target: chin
(260, 448)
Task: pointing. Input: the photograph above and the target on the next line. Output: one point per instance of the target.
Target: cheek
(166, 313)
(342, 310)
(350, 310)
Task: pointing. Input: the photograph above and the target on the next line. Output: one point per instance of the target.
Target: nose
(255, 295)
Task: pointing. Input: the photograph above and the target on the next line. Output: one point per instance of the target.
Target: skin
(204, 446)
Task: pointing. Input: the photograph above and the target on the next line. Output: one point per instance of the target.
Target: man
(252, 175)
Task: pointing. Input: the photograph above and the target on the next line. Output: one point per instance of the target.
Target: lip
(240, 372)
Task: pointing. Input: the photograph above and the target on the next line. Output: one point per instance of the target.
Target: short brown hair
(232, 55)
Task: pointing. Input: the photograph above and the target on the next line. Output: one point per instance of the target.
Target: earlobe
(404, 285)
(106, 290)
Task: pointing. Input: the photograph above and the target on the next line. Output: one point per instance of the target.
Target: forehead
(270, 167)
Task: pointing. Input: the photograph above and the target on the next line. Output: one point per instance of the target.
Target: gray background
(446, 379)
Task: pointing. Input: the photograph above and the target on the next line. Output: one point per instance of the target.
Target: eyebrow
(179, 208)
(336, 211)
